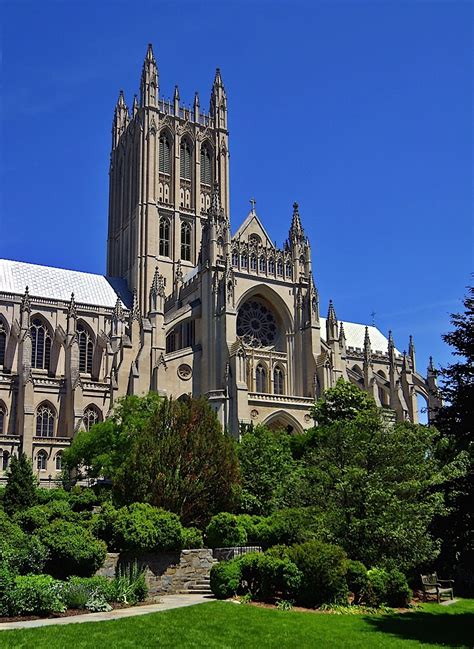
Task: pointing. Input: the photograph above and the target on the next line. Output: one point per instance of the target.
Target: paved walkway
(166, 603)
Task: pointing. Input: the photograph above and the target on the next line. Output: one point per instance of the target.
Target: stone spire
(218, 106)
(25, 309)
(332, 333)
(391, 348)
(71, 314)
(121, 119)
(196, 106)
(118, 318)
(176, 100)
(135, 105)
(296, 234)
(411, 353)
(135, 311)
(431, 367)
(342, 336)
(313, 299)
(157, 291)
(149, 80)
(367, 347)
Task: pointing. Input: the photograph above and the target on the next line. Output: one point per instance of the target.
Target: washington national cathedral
(186, 307)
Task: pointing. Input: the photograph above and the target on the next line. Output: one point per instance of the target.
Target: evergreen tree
(456, 420)
(20, 491)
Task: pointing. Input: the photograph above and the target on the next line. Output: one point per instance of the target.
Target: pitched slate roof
(355, 334)
(58, 284)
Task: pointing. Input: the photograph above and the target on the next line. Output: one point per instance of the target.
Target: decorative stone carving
(254, 413)
(185, 372)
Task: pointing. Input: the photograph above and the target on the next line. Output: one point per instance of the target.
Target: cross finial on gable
(253, 203)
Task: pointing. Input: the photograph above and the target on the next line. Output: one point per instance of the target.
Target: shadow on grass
(443, 628)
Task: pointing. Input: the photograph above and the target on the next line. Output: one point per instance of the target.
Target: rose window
(256, 325)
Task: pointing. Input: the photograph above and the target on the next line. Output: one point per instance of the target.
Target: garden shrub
(356, 578)
(266, 576)
(102, 525)
(45, 496)
(251, 525)
(72, 549)
(192, 538)
(225, 531)
(82, 499)
(78, 590)
(386, 588)
(225, 578)
(38, 516)
(7, 580)
(35, 595)
(323, 568)
(20, 552)
(140, 527)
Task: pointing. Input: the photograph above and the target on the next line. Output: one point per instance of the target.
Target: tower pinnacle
(149, 80)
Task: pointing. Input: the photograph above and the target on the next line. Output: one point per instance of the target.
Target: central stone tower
(165, 160)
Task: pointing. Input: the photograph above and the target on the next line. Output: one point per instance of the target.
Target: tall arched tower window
(260, 379)
(86, 348)
(40, 345)
(45, 416)
(185, 160)
(186, 241)
(164, 246)
(3, 417)
(3, 342)
(278, 380)
(206, 166)
(165, 154)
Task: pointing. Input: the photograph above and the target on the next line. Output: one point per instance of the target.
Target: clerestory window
(45, 416)
(185, 160)
(86, 349)
(206, 169)
(186, 241)
(165, 154)
(40, 345)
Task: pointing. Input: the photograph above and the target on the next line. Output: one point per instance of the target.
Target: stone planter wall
(167, 572)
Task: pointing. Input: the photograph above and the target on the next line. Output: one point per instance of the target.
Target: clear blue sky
(360, 111)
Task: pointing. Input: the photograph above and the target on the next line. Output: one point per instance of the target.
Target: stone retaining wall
(167, 572)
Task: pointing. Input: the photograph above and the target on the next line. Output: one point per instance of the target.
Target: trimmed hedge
(192, 538)
(324, 569)
(72, 549)
(140, 527)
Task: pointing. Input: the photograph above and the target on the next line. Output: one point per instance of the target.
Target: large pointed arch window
(3, 342)
(185, 160)
(206, 166)
(186, 241)
(86, 348)
(260, 379)
(40, 345)
(165, 229)
(165, 154)
(45, 417)
(278, 380)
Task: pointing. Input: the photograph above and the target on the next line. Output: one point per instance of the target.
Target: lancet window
(260, 379)
(278, 380)
(185, 160)
(86, 348)
(165, 154)
(186, 241)
(45, 417)
(40, 345)
(206, 167)
(164, 245)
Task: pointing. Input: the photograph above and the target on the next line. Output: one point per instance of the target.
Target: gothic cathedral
(186, 307)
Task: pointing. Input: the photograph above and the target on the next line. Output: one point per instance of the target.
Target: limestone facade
(186, 307)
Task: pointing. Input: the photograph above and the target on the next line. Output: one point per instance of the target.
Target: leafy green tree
(267, 469)
(100, 451)
(378, 485)
(20, 491)
(344, 402)
(456, 420)
(182, 461)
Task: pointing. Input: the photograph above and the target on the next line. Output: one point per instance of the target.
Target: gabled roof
(58, 284)
(355, 334)
(253, 225)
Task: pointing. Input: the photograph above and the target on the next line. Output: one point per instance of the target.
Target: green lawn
(223, 625)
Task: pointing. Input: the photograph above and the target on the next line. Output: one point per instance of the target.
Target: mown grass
(223, 625)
